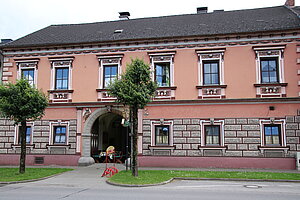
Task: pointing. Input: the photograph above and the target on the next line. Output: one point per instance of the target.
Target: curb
(31, 180)
(202, 179)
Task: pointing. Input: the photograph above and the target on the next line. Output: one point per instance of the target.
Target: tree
(21, 102)
(134, 89)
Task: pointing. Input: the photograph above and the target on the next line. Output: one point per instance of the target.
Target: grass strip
(12, 174)
(159, 176)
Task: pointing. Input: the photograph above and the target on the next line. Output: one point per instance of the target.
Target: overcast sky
(21, 17)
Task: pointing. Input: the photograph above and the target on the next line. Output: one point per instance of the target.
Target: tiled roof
(205, 24)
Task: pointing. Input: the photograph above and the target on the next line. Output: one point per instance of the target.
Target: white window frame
(162, 122)
(211, 55)
(280, 122)
(108, 60)
(270, 52)
(51, 137)
(28, 64)
(17, 128)
(210, 122)
(163, 57)
(61, 63)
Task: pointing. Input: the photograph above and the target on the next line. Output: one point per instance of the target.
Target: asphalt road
(86, 183)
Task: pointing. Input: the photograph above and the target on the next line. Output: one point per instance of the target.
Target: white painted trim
(52, 125)
(101, 67)
(35, 69)
(164, 123)
(281, 122)
(16, 135)
(171, 64)
(204, 123)
(53, 71)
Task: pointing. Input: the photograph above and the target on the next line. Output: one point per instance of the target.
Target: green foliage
(21, 102)
(12, 174)
(135, 87)
(159, 176)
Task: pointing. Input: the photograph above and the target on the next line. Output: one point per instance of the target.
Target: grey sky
(21, 17)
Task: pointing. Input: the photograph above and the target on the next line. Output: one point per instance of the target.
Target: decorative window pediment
(61, 79)
(270, 80)
(110, 68)
(211, 73)
(162, 67)
(28, 69)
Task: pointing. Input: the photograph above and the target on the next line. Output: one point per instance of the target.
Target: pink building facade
(228, 93)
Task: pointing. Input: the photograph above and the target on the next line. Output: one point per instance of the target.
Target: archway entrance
(106, 131)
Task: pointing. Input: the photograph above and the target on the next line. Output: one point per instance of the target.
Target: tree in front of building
(134, 89)
(21, 102)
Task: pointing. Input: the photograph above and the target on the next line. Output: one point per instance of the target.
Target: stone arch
(86, 158)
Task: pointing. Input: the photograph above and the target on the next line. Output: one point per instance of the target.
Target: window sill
(54, 91)
(167, 88)
(212, 147)
(58, 146)
(270, 84)
(210, 86)
(19, 146)
(282, 148)
(102, 90)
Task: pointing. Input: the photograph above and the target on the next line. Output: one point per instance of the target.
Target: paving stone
(146, 122)
(179, 153)
(253, 121)
(177, 121)
(195, 146)
(231, 146)
(193, 153)
(292, 140)
(193, 127)
(230, 121)
(250, 127)
(178, 146)
(193, 140)
(233, 140)
(253, 146)
(233, 153)
(186, 146)
(251, 153)
(147, 140)
(195, 121)
(180, 140)
(146, 128)
(297, 119)
(251, 140)
(254, 134)
(195, 134)
(242, 146)
(241, 133)
(177, 134)
(289, 119)
(241, 121)
(186, 121)
(186, 133)
(290, 133)
(146, 133)
(291, 126)
(233, 127)
(38, 123)
(230, 133)
(179, 127)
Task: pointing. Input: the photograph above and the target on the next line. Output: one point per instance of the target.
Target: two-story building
(228, 95)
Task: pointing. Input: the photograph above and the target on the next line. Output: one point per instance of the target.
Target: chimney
(201, 10)
(124, 15)
(290, 3)
(4, 41)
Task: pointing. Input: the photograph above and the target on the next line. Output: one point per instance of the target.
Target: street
(86, 183)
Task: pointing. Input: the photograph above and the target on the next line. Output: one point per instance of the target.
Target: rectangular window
(211, 73)
(162, 74)
(110, 74)
(212, 135)
(269, 70)
(28, 74)
(272, 134)
(61, 78)
(162, 135)
(28, 135)
(59, 134)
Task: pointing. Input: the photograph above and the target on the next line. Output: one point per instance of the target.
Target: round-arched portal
(102, 128)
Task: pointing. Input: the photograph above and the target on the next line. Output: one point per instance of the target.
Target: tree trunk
(22, 133)
(134, 141)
